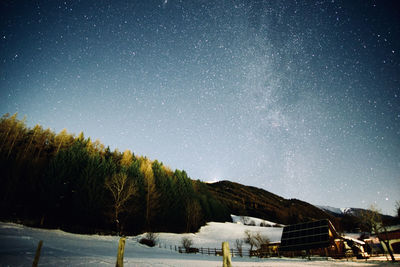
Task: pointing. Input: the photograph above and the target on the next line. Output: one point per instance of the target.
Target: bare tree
(248, 239)
(373, 220)
(255, 240)
(260, 240)
(122, 189)
(239, 246)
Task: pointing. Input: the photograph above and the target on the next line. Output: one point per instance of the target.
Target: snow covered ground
(18, 245)
(213, 234)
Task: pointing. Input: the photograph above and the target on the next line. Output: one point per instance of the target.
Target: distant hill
(333, 210)
(350, 216)
(256, 202)
(251, 201)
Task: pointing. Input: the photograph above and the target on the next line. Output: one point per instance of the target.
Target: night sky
(301, 98)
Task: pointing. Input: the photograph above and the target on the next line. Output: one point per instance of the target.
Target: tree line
(59, 180)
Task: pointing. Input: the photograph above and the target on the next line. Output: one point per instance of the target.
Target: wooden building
(318, 238)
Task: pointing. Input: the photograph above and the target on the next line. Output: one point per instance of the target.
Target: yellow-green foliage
(68, 181)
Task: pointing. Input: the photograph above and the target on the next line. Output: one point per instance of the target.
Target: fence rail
(249, 253)
(216, 251)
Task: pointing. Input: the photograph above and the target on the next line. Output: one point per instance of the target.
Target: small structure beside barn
(392, 235)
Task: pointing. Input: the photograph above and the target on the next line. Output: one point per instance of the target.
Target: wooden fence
(216, 251)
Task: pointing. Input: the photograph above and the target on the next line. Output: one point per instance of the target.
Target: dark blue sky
(301, 98)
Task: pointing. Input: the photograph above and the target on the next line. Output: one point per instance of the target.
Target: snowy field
(18, 245)
(213, 234)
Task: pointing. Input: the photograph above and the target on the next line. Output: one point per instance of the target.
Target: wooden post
(227, 262)
(120, 256)
(37, 255)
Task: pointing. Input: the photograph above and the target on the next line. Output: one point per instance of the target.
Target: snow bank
(213, 234)
(258, 222)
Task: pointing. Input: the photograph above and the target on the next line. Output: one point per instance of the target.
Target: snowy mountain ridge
(339, 211)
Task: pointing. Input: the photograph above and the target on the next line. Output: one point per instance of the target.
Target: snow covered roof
(353, 239)
(393, 228)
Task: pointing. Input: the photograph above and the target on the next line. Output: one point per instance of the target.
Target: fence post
(120, 256)
(37, 255)
(227, 262)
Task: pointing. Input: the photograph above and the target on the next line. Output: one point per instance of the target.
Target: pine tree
(62, 139)
(127, 158)
(151, 191)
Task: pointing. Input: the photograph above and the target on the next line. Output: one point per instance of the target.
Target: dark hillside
(256, 202)
(251, 201)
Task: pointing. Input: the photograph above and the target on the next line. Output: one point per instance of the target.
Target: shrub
(244, 220)
(150, 239)
(187, 243)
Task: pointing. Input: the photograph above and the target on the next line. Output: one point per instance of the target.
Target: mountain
(349, 218)
(341, 211)
(256, 202)
(332, 210)
(251, 201)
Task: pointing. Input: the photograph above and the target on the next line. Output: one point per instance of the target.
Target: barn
(318, 238)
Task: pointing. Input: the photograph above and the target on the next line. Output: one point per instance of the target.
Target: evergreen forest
(59, 180)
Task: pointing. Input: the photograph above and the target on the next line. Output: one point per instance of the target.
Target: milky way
(301, 98)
